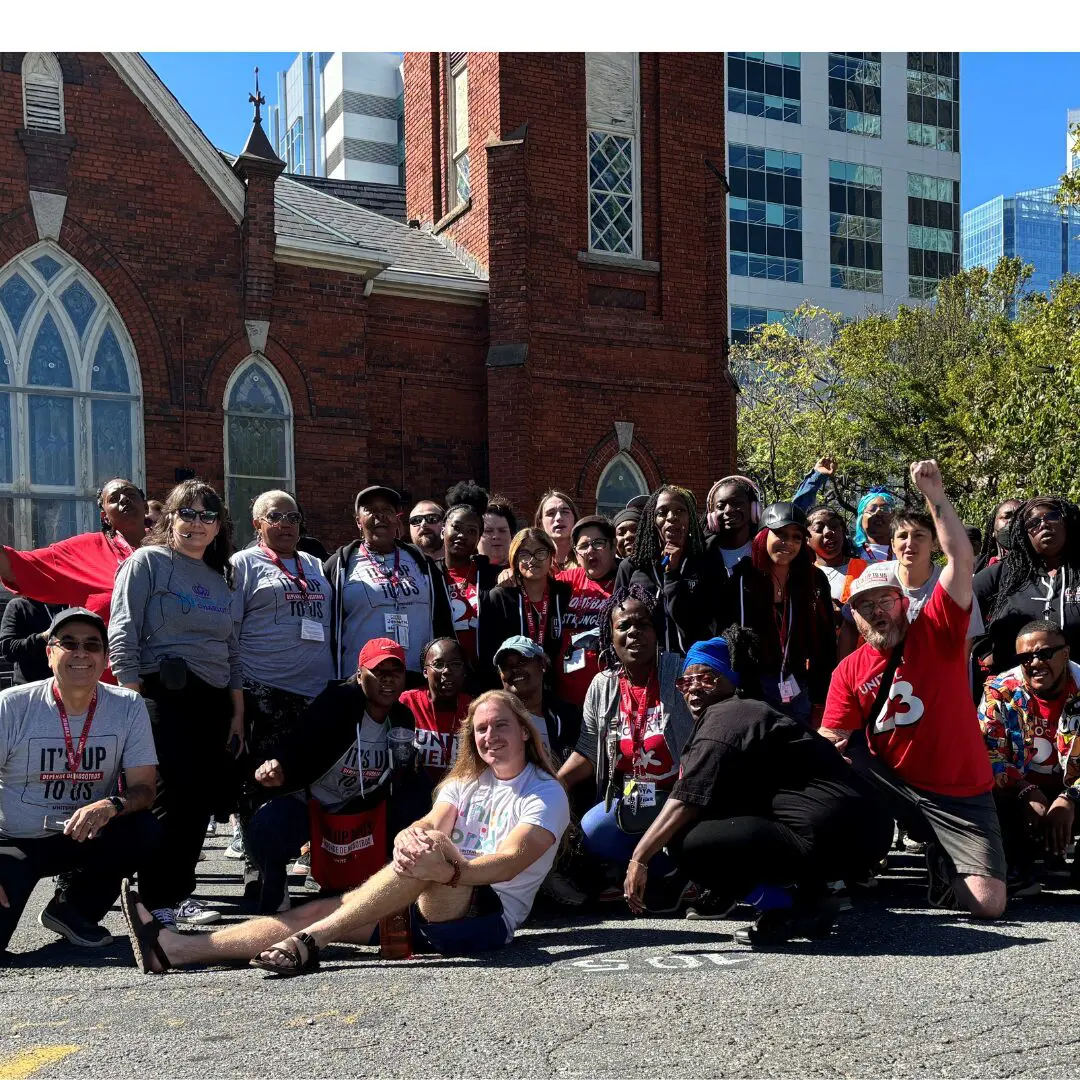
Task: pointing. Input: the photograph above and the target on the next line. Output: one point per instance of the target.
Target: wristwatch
(1072, 793)
(117, 803)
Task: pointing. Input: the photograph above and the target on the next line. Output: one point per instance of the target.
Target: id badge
(630, 794)
(646, 793)
(397, 627)
(310, 630)
(789, 689)
(574, 661)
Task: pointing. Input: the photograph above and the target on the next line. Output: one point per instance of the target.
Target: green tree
(1069, 189)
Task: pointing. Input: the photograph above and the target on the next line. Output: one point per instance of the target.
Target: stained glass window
(48, 358)
(16, 296)
(620, 482)
(79, 304)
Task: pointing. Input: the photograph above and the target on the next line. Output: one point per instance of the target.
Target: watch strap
(117, 803)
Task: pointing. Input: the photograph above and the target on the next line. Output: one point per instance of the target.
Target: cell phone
(56, 822)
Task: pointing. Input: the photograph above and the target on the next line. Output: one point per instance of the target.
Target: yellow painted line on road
(29, 1061)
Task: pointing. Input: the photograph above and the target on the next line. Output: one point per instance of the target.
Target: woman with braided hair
(671, 561)
(995, 536)
(634, 726)
(1039, 578)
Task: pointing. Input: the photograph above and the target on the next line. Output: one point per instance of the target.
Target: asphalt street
(899, 990)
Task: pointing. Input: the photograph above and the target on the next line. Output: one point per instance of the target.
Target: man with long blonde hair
(468, 871)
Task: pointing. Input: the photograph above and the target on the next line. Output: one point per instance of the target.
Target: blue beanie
(864, 502)
(715, 654)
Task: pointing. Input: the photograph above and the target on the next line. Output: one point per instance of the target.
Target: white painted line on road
(679, 961)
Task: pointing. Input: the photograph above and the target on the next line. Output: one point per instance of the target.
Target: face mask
(1001, 537)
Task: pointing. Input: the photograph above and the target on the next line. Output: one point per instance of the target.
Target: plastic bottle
(395, 937)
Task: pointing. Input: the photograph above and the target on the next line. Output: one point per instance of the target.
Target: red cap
(379, 649)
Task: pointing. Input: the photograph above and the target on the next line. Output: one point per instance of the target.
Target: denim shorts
(481, 930)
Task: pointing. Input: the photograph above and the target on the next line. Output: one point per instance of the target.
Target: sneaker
(302, 864)
(311, 885)
(1022, 883)
(939, 889)
(64, 919)
(194, 912)
(781, 925)
(667, 895)
(913, 847)
(235, 847)
(610, 894)
(709, 906)
(211, 828)
(166, 916)
(558, 887)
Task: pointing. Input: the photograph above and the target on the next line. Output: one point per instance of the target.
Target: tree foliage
(986, 379)
(1069, 189)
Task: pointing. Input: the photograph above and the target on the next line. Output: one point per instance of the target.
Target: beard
(885, 640)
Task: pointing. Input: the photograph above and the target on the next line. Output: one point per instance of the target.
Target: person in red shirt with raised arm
(923, 746)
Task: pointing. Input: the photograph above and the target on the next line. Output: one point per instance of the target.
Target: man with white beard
(906, 690)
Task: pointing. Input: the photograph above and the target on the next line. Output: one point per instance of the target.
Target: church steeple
(257, 147)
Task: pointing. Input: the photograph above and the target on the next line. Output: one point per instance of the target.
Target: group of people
(677, 710)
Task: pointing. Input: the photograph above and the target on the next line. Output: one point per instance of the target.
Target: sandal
(292, 965)
(144, 935)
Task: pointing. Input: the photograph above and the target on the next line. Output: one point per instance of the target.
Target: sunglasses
(276, 517)
(709, 680)
(425, 519)
(70, 644)
(1051, 517)
(188, 513)
(1045, 654)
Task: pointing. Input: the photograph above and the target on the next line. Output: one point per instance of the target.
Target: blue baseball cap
(519, 643)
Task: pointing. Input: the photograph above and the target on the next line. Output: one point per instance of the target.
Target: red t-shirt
(928, 732)
(577, 666)
(652, 760)
(435, 740)
(463, 602)
(77, 572)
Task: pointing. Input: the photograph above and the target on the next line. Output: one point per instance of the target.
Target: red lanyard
(392, 577)
(637, 720)
(783, 629)
(536, 619)
(74, 756)
(298, 577)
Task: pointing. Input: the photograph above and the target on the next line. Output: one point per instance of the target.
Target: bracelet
(1025, 791)
(640, 863)
(456, 876)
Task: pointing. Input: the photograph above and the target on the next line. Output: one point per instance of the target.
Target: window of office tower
(855, 226)
(933, 232)
(765, 84)
(855, 93)
(933, 100)
(746, 319)
(765, 211)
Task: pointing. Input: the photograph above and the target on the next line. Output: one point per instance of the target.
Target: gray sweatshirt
(166, 604)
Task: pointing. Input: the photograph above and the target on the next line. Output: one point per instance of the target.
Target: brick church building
(550, 312)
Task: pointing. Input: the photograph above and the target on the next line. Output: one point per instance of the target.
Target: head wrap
(714, 654)
(864, 502)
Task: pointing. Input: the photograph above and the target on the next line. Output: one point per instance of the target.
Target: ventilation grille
(43, 109)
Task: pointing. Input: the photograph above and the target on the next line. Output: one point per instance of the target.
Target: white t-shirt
(489, 809)
(732, 555)
(340, 784)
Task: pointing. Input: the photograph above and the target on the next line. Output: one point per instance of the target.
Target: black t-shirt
(743, 754)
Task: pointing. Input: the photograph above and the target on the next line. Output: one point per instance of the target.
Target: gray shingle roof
(385, 199)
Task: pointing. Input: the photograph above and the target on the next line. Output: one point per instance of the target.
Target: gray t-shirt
(340, 784)
(34, 776)
(732, 555)
(283, 629)
(166, 604)
(393, 602)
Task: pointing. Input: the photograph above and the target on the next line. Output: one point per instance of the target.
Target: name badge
(646, 793)
(629, 794)
(310, 630)
(397, 627)
(789, 689)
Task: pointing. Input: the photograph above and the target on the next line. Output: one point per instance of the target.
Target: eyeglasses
(870, 607)
(708, 680)
(276, 517)
(1045, 654)
(1051, 517)
(541, 555)
(70, 644)
(188, 513)
(873, 511)
(442, 666)
(599, 544)
(425, 519)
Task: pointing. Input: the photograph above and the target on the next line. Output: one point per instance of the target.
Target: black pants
(190, 727)
(92, 869)
(829, 829)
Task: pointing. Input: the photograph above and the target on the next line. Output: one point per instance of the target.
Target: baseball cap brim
(375, 490)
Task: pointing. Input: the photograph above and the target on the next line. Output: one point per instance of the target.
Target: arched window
(43, 93)
(258, 438)
(70, 401)
(620, 481)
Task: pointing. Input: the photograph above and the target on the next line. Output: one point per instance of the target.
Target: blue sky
(1012, 112)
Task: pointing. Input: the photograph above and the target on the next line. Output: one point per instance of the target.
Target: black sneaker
(64, 919)
(939, 889)
(1022, 882)
(667, 895)
(781, 925)
(710, 906)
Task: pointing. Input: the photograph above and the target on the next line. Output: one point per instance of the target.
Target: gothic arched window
(620, 481)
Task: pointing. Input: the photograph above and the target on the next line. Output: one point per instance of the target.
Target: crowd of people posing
(679, 711)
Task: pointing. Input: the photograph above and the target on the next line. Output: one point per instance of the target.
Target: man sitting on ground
(926, 752)
(64, 743)
(1030, 716)
(468, 871)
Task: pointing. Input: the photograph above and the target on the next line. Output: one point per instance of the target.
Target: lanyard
(637, 720)
(393, 576)
(784, 623)
(74, 756)
(536, 619)
(299, 578)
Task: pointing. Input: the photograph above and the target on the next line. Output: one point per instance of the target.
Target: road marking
(681, 961)
(29, 1061)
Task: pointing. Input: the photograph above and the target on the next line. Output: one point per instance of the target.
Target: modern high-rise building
(844, 171)
(341, 115)
(1072, 154)
(1029, 224)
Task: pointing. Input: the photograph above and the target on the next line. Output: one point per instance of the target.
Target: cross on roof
(257, 99)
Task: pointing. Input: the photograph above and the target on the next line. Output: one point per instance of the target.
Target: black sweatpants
(190, 728)
(92, 870)
(829, 829)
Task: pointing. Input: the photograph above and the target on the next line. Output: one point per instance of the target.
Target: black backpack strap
(885, 686)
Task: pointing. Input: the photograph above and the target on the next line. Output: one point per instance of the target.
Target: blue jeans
(605, 840)
(273, 836)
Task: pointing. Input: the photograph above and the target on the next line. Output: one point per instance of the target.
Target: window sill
(449, 219)
(618, 262)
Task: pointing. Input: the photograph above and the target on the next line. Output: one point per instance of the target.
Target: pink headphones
(712, 517)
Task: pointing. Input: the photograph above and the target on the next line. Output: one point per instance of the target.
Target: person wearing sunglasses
(873, 525)
(764, 810)
(1030, 717)
(905, 694)
(426, 528)
(172, 639)
(1039, 577)
(532, 603)
(65, 742)
(592, 581)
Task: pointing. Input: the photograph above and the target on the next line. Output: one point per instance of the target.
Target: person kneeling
(468, 871)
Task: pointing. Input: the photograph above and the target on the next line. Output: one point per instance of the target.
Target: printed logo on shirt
(902, 708)
(584, 612)
(62, 789)
(481, 832)
(435, 749)
(201, 598)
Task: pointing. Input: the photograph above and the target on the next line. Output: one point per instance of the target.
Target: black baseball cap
(77, 614)
(377, 489)
(780, 514)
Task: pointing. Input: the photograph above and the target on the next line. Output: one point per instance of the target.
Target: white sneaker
(235, 848)
(194, 912)
(211, 828)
